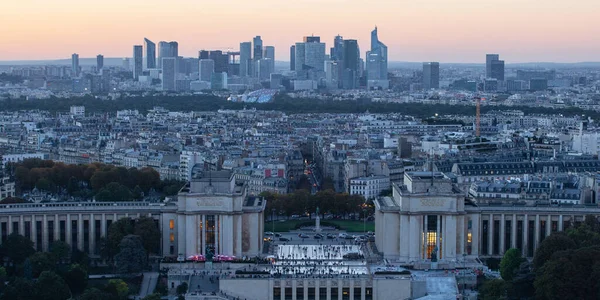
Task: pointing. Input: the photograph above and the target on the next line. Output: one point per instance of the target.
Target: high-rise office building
(221, 60)
(337, 51)
(150, 53)
(314, 56)
(312, 39)
(125, 64)
(299, 58)
(293, 58)
(138, 61)
(245, 59)
(431, 75)
(207, 68)
(351, 64)
(377, 59)
(332, 76)
(497, 71)
(203, 54)
(75, 65)
(99, 62)
(167, 49)
(263, 66)
(258, 47)
(169, 71)
(270, 54)
(494, 67)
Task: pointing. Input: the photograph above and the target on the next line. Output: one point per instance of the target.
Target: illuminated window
(172, 237)
(469, 238)
(171, 224)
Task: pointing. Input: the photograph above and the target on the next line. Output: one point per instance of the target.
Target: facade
(99, 62)
(150, 54)
(258, 48)
(431, 75)
(369, 187)
(270, 54)
(293, 58)
(299, 58)
(245, 59)
(138, 61)
(75, 71)
(494, 67)
(429, 218)
(377, 59)
(7, 185)
(169, 70)
(211, 212)
(167, 49)
(207, 68)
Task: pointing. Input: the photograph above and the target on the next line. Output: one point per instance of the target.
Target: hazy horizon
(454, 31)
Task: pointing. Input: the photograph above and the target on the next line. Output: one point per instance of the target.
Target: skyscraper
(314, 56)
(351, 64)
(258, 47)
(497, 70)
(99, 62)
(169, 71)
(337, 51)
(431, 75)
(220, 59)
(207, 68)
(270, 54)
(245, 59)
(489, 59)
(293, 58)
(299, 58)
(75, 65)
(138, 61)
(150, 47)
(312, 39)
(377, 59)
(263, 67)
(203, 54)
(167, 49)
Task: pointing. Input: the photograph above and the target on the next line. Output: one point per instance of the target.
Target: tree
(556, 242)
(117, 288)
(521, 286)
(147, 229)
(116, 232)
(132, 256)
(60, 252)
(182, 288)
(154, 296)
(76, 278)
(20, 289)
(3, 276)
(510, 263)
(80, 258)
(17, 248)
(493, 290)
(94, 294)
(40, 262)
(50, 286)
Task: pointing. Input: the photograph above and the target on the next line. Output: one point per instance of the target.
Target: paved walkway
(148, 284)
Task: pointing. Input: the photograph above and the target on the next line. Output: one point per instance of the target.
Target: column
(103, 226)
(560, 222)
(68, 230)
(491, 235)
(34, 232)
(438, 235)
(525, 235)
(502, 234)
(536, 239)
(475, 234)
(56, 228)
(92, 234)
(415, 241)
(423, 242)
(80, 232)
(513, 233)
(461, 235)
(181, 229)
(21, 225)
(203, 237)
(351, 289)
(404, 238)
(10, 227)
(45, 233)
(549, 226)
(239, 236)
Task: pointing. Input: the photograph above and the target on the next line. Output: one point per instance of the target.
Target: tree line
(301, 202)
(104, 182)
(281, 102)
(62, 272)
(565, 266)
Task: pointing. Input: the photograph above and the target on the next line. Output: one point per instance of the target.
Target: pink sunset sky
(416, 30)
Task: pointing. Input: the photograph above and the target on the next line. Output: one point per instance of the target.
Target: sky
(414, 30)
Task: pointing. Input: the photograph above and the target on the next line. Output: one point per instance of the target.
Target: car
(303, 236)
(342, 235)
(277, 234)
(268, 233)
(318, 236)
(331, 236)
(349, 237)
(284, 239)
(267, 239)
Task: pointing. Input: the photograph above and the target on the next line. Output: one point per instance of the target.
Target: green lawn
(347, 225)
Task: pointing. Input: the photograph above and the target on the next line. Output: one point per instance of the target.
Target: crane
(478, 115)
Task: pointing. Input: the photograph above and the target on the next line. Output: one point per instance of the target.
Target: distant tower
(270, 54)
(150, 48)
(258, 47)
(245, 59)
(99, 62)
(75, 65)
(431, 75)
(494, 67)
(138, 61)
(293, 58)
(207, 68)
(169, 69)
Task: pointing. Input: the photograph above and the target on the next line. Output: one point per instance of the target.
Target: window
(171, 224)
(172, 237)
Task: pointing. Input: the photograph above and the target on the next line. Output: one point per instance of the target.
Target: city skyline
(424, 31)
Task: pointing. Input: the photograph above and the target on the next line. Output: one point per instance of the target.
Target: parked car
(303, 236)
(268, 233)
(277, 234)
(284, 239)
(331, 236)
(342, 235)
(318, 236)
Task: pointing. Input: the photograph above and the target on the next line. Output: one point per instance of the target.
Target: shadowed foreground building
(213, 210)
